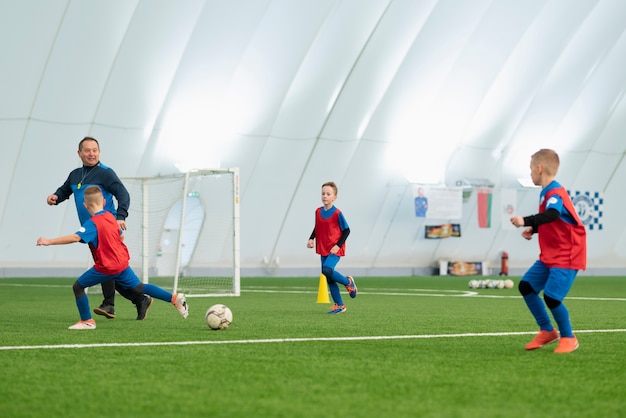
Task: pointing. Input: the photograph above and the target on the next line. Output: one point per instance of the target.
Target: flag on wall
(589, 206)
(484, 197)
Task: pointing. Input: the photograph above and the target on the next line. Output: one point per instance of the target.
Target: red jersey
(327, 233)
(111, 256)
(562, 244)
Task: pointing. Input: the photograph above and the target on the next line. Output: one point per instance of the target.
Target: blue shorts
(127, 279)
(555, 282)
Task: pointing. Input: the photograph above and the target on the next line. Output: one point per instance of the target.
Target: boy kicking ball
(111, 260)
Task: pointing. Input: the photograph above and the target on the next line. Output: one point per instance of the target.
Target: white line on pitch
(419, 292)
(292, 340)
(379, 292)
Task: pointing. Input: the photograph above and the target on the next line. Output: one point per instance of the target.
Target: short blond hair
(93, 194)
(331, 184)
(548, 159)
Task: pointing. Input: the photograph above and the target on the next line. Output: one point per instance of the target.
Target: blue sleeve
(116, 188)
(112, 187)
(65, 191)
(343, 224)
(88, 233)
(555, 202)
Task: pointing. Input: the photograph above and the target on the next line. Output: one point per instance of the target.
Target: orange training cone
(322, 292)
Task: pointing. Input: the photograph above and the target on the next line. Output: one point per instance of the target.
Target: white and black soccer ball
(218, 317)
(473, 284)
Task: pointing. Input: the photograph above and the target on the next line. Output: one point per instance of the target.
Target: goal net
(183, 231)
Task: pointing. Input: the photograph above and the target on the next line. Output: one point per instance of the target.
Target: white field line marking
(413, 292)
(34, 285)
(292, 340)
(381, 292)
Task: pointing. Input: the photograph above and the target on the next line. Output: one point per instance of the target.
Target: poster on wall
(508, 208)
(437, 202)
(465, 268)
(420, 202)
(442, 231)
(589, 206)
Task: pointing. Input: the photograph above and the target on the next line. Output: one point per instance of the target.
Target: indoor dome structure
(383, 97)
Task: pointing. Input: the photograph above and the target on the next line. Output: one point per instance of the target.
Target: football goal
(183, 231)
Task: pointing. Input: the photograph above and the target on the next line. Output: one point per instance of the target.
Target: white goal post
(183, 231)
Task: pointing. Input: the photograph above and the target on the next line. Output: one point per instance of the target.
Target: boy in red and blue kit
(563, 251)
(329, 239)
(111, 260)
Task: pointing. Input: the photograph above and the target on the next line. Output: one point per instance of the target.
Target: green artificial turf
(406, 347)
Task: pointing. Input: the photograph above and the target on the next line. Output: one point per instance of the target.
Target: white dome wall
(299, 93)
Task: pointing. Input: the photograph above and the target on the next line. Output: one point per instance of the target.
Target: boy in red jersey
(563, 251)
(111, 258)
(329, 239)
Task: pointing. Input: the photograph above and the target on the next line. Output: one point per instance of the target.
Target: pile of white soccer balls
(491, 284)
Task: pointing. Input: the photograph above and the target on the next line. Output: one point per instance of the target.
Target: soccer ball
(218, 317)
(500, 284)
(508, 283)
(473, 284)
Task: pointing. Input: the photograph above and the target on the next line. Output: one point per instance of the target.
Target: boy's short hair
(330, 184)
(92, 194)
(548, 159)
